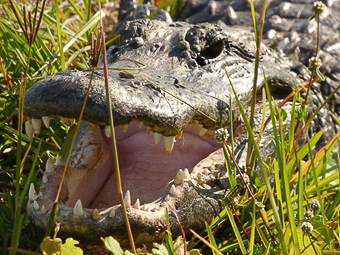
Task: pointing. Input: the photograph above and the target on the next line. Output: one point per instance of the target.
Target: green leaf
(305, 244)
(318, 73)
(70, 248)
(112, 245)
(159, 249)
(168, 238)
(321, 227)
(51, 246)
(194, 252)
(283, 114)
(179, 246)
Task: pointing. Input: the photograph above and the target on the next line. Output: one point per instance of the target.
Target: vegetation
(292, 209)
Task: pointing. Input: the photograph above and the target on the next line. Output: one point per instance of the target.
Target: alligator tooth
(179, 135)
(203, 131)
(157, 137)
(144, 207)
(29, 130)
(67, 121)
(141, 124)
(59, 161)
(36, 123)
(112, 213)
(32, 195)
(45, 179)
(169, 142)
(179, 178)
(206, 186)
(125, 127)
(199, 127)
(167, 198)
(147, 130)
(36, 206)
(43, 210)
(127, 199)
(173, 190)
(108, 131)
(49, 166)
(209, 133)
(137, 204)
(186, 174)
(206, 171)
(78, 209)
(95, 214)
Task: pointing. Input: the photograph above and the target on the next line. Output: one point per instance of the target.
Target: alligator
(166, 79)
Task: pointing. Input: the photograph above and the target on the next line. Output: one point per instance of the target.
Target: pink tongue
(146, 168)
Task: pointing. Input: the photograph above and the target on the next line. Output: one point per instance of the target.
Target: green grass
(63, 41)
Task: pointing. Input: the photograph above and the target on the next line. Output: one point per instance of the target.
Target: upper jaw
(160, 79)
(63, 95)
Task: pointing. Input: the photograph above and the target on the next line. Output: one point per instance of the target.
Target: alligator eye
(213, 50)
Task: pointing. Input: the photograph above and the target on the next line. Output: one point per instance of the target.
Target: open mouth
(156, 175)
(147, 165)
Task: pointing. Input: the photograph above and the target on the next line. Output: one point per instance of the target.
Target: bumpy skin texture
(184, 60)
(288, 30)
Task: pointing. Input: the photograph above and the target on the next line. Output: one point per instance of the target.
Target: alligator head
(168, 78)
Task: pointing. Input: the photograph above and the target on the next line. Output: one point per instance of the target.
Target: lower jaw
(191, 197)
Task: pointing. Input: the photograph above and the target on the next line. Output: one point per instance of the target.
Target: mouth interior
(145, 167)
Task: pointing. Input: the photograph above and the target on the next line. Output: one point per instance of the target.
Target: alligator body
(166, 80)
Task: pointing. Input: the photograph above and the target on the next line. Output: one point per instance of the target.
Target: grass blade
(206, 242)
(300, 195)
(87, 27)
(211, 238)
(169, 240)
(253, 232)
(237, 233)
(80, 13)
(315, 177)
(60, 42)
(319, 155)
(284, 176)
(261, 165)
